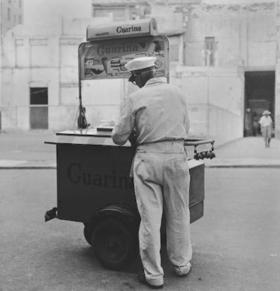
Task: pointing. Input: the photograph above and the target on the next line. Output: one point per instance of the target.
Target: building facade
(121, 10)
(11, 14)
(240, 36)
(225, 57)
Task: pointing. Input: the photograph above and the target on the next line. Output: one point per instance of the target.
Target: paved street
(236, 244)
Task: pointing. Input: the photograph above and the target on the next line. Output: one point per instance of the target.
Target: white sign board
(106, 58)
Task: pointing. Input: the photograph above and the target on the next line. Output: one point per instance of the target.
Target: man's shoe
(142, 279)
(183, 271)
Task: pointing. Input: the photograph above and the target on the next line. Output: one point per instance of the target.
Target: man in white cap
(157, 114)
(266, 127)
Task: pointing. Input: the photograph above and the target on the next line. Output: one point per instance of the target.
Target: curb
(25, 165)
(243, 163)
(272, 166)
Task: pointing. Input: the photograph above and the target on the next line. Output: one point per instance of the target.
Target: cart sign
(129, 29)
(105, 57)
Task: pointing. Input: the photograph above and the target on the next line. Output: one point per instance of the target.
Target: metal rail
(197, 142)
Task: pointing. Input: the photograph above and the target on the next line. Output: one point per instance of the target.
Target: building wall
(120, 10)
(52, 61)
(246, 39)
(215, 100)
(50, 13)
(243, 34)
(246, 35)
(11, 14)
(277, 75)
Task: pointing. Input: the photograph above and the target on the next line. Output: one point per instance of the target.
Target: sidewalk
(247, 152)
(26, 150)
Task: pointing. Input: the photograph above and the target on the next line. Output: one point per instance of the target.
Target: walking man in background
(157, 115)
(266, 127)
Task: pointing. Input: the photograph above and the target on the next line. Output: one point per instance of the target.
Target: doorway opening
(39, 108)
(259, 96)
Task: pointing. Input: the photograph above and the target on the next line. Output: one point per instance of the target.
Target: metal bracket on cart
(201, 154)
(51, 214)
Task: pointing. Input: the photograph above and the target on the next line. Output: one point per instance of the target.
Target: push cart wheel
(115, 242)
(88, 233)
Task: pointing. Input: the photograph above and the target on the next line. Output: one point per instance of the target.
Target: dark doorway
(39, 108)
(259, 96)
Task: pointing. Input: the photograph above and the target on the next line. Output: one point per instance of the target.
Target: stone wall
(247, 36)
(277, 75)
(215, 100)
(244, 34)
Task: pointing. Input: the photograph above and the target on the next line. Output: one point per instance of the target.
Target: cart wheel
(115, 242)
(88, 233)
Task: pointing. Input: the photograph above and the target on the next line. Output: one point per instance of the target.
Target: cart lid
(84, 137)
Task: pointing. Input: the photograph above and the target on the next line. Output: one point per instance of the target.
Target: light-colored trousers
(161, 181)
(266, 133)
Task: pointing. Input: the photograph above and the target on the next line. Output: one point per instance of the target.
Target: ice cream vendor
(155, 117)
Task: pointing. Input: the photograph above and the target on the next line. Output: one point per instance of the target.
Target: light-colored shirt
(265, 121)
(157, 112)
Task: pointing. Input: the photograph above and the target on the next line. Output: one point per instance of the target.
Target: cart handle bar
(198, 142)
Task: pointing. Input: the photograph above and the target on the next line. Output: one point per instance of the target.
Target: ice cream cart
(94, 186)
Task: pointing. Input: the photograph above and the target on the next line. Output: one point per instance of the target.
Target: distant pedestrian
(266, 127)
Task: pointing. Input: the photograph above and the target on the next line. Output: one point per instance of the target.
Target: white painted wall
(215, 96)
(215, 100)
(277, 75)
(277, 101)
(50, 12)
(245, 35)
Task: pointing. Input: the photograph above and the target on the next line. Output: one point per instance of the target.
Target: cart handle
(194, 142)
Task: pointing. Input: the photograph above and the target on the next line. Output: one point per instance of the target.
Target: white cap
(140, 63)
(266, 112)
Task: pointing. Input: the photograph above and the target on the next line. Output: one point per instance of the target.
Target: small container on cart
(94, 186)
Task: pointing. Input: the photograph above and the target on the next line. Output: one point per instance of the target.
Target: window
(39, 108)
(38, 96)
(209, 51)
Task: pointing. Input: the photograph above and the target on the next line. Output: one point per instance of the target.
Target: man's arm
(125, 125)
